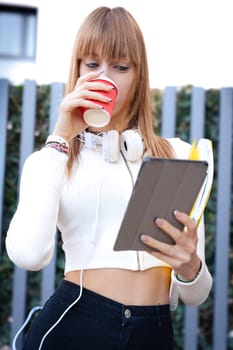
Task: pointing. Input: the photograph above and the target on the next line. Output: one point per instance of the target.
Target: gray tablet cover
(162, 185)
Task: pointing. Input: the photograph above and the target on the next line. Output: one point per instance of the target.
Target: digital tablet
(162, 186)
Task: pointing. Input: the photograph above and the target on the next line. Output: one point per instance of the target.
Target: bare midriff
(148, 287)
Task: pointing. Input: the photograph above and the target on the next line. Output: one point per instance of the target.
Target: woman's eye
(92, 65)
(121, 68)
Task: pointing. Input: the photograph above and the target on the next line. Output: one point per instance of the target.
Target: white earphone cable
(93, 235)
(33, 310)
(65, 312)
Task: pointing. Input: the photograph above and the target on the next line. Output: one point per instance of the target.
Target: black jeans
(99, 323)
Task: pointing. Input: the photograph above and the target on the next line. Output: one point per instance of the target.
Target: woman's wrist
(186, 280)
(57, 142)
(58, 139)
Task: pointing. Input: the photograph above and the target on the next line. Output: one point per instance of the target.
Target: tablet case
(162, 186)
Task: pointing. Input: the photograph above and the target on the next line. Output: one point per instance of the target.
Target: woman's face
(122, 72)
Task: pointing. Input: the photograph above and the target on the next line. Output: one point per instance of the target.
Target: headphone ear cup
(131, 145)
(111, 146)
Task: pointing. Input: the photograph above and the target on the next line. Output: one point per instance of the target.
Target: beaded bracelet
(58, 146)
(57, 139)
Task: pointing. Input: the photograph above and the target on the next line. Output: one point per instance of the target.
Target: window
(18, 32)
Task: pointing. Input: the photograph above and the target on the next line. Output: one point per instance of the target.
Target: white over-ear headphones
(129, 143)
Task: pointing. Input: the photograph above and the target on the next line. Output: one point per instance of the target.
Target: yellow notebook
(203, 150)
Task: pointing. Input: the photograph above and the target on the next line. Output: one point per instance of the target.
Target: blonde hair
(116, 34)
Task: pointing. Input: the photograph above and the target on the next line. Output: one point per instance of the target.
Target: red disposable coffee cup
(101, 117)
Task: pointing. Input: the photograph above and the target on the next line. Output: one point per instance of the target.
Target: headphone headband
(128, 142)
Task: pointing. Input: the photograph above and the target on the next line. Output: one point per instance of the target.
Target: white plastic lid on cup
(96, 117)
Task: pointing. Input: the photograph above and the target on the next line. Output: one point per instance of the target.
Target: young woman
(108, 300)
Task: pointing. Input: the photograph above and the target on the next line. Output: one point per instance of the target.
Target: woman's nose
(105, 70)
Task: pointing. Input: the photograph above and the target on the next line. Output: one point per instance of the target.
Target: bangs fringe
(112, 36)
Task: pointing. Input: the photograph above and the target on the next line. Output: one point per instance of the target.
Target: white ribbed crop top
(87, 209)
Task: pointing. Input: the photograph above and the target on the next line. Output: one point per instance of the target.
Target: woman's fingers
(93, 85)
(182, 256)
(190, 226)
(89, 94)
(185, 243)
(83, 98)
(76, 103)
(172, 231)
(86, 77)
(85, 93)
(189, 223)
(158, 245)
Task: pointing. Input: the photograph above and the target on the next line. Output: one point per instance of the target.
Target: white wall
(188, 41)
(18, 70)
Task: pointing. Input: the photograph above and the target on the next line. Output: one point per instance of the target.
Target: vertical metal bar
(48, 273)
(196, 131)
(169, 112)
(26, 147)
(4, 97)
(57, 91)
(197, 113)
(223, 218)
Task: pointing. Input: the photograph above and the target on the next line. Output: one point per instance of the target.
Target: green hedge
(10, 199)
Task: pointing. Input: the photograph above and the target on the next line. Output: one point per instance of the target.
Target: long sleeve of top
(31, 235)
(195, 292)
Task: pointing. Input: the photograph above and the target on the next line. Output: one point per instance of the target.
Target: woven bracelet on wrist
(59, 147)
(57, 139)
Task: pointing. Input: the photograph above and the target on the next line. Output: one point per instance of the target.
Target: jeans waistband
(71, 290)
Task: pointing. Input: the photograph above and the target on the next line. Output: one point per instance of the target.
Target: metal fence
(168, 129)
